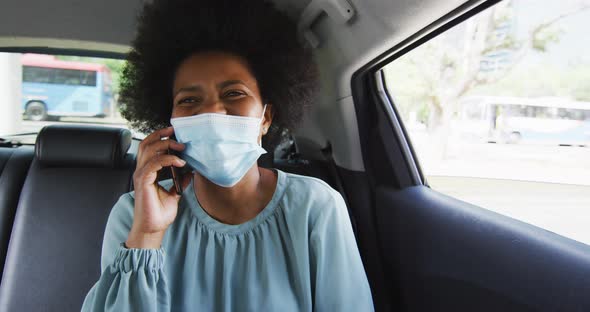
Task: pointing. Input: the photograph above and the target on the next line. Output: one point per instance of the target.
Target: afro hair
(169, 31)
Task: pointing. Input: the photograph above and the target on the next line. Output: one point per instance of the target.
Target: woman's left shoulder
(311, 194)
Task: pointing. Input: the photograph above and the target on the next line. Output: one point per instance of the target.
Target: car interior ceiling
(55, 196)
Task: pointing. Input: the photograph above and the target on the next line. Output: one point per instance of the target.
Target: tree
(479, 53)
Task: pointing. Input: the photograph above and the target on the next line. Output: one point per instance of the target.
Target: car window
(497, 109)
(47, 89)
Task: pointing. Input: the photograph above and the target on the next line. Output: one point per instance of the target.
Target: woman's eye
(188, 100)
(234, 94)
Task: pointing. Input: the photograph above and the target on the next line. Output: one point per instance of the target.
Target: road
(35, 126)
(27, 126)
(560, 208)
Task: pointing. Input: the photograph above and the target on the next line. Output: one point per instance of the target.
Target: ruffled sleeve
(132, 279)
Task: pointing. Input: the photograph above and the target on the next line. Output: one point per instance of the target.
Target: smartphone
(176, 172)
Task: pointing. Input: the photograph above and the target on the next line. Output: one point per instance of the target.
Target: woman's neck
(239, 203)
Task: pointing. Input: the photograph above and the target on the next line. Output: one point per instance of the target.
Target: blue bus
(53, 88)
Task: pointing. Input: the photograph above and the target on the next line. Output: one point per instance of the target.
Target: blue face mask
(220, 147)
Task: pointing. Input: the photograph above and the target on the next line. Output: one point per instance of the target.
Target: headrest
(82, 146)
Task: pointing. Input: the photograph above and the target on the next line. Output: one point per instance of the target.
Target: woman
(225, 74)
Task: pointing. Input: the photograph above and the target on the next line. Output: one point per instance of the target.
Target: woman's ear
(268, 114)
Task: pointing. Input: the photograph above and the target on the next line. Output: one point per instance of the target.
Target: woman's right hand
(155, 207)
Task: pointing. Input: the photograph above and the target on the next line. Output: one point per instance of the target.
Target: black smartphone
(176, 172)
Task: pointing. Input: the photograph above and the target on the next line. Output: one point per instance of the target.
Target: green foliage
(423, 114)
(429, 79)
(509, 43)
(577, 82)
(544, 37)
(410, 83)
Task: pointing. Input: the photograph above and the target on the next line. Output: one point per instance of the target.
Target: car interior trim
(397, 128)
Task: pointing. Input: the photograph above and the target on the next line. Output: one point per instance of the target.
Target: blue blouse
(297, 254)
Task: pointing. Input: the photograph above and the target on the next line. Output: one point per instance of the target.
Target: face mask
(220, 147)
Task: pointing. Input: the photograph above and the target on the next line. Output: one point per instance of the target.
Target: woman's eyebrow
(226, 83)
(188, 89)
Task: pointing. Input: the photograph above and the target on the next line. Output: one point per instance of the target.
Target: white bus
(526, 120)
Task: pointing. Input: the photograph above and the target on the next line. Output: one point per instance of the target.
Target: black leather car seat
(76, 176)
(14, 164)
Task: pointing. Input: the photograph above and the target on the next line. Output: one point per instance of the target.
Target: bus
(514, 120)
(53, 88)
